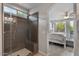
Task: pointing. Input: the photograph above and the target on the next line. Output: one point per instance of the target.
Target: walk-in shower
(20, 31)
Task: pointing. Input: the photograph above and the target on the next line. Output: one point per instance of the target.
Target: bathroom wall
(0, 29)
(43, 26)
(42, 35)
(76, 49)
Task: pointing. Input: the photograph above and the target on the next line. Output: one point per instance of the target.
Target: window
(51, 26)
(60, 27)
(57, 26)
(22, 14)
(66, 27)
(14, 11)
(70, 29)
(9, 10)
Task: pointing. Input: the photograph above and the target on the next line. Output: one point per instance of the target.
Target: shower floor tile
(22, 52)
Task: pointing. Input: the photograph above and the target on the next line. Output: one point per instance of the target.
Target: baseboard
(43, 53)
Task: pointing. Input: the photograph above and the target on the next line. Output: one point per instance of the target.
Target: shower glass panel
(15, 31)
(6, 37)
(9, 10)
(8, 34)
(22, 14)
(9, 29)
(34, 32)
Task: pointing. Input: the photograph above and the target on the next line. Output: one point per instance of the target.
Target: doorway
(61, 38)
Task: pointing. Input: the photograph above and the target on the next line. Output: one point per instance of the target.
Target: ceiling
(33, 5)
(30, 5)
(42, 8)
(56, 10)
(51, 10)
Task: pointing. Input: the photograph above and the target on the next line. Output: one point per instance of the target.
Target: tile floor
(22, 52)
(55, 50)
(38, 54)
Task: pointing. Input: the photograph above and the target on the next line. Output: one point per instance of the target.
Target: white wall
(57, 11)
(76, 49)
(43, 35)
(0, 30)
(43, 26)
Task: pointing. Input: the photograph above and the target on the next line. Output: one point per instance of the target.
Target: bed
(57, 37)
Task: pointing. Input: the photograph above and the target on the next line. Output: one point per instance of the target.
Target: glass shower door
(9, 25)
(6, 37)
(9, 33)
